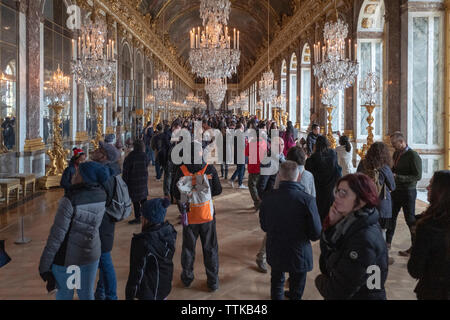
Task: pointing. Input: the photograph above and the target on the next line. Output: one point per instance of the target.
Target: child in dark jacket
(151, 254)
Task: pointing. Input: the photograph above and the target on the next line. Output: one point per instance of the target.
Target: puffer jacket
(74, 236)
(151, 266)
(430, 259)
(346, 261)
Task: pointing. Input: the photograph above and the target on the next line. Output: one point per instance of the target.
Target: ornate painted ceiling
(177, 17)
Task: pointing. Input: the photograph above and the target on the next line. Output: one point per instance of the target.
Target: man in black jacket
(206, 231)
(289, 232)
(264, 185)
(312, 138)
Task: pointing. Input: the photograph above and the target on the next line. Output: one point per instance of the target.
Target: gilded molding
(312, 14)
(131, 20)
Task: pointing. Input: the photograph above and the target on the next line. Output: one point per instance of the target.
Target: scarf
(344, 225)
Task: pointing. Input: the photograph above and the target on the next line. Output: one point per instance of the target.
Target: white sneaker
(243, 187)
(232, 184)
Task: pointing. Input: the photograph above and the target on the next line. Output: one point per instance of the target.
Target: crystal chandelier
(267, 84)
(279, 102)
(334, 68)
(216, 89)
(267, 87)
(212, 54)
(58, 87)
(243, 101)
(95, 64)
(163, 87)
(369, 89)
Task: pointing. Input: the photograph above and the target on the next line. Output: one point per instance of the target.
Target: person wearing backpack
(151, 254)
(135, 175)
(377, 165)
(200, 215)
(107, 155)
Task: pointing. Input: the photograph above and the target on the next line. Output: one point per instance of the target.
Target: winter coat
(74, 236)
(387, 179)
(266, 182)
(429, 261)
(290, 230)
(345, 260)
(135, 175)
(151, 266)
(161, 144)
(108, 226)
(289, 142)
(345, 160)
(66, 178)
(326, 172)
(310, 142)
(214, 182)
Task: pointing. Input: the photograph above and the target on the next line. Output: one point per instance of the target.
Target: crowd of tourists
(352, 211)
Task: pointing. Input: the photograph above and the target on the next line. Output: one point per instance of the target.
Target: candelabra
(100, 94)
(369, 89)
(57, 87)
(259, 107)
(279, 104)
(328, 96)
(149, 102)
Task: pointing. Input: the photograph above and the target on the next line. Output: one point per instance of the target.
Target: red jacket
(257, 149)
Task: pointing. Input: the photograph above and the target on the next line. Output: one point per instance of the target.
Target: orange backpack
(195, 189)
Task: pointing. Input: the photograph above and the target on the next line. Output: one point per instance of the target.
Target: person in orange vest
(201, 183)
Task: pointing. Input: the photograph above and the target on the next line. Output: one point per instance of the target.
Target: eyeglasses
(340, 193)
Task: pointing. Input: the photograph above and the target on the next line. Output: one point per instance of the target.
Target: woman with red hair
(353, 260)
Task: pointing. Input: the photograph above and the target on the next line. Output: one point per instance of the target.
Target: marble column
(394, 66)
(447, 86)
(33, 58)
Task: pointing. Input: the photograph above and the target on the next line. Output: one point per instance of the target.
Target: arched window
(338, 114)
(139, 81)
(8, 73)
(425, 86)
(284, 80)
(127, 90)
(305, 107)
(57, 53)
(293, 89)
(370, 57)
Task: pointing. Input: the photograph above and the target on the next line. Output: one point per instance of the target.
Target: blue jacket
(290, 228)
